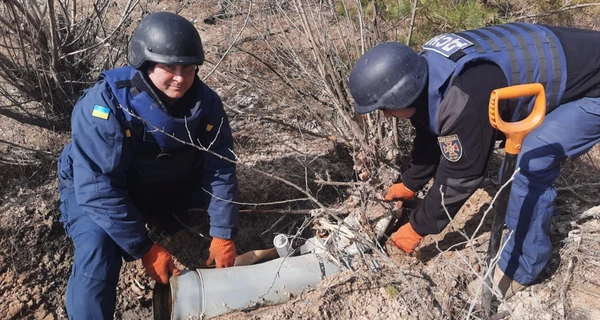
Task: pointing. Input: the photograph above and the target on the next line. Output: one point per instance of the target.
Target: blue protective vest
(526, 53)
(159, 140)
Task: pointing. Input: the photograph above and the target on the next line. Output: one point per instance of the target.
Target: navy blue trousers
(92, 287)
(567, 132)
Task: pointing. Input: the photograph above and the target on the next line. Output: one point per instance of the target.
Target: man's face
(405, 113)
(172, 80)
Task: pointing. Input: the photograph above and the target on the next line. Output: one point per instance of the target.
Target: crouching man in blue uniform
(136, 151)
(445, 89)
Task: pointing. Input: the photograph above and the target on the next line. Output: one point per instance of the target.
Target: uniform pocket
(97, 256)
(66, 216)
(63, 208)
(590, 105)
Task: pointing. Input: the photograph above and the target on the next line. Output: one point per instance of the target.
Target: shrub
(51, 50)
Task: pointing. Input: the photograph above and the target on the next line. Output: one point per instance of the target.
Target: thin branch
(412, 22)
(342, 231)
(281, 211)
(35, 23)
(202, 148)
(54, 36)
(232, 43)
(255, 203)
(576, 186)
(126, 12)
(337, 183)
(13, 162)
(563, 9)
(26, 148)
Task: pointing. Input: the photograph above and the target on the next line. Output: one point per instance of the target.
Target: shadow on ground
(569, 205)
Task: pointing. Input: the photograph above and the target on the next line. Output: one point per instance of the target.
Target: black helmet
(165, 37)
(390, 75)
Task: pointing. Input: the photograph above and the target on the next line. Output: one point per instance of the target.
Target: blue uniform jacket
(118, 160)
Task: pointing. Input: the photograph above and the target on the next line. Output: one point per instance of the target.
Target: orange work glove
(406, 238)
(399, 192)
(159, 264)
(221, 253)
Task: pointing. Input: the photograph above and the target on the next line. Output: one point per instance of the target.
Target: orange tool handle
(516, 131)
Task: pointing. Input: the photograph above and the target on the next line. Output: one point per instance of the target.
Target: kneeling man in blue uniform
(136, 152)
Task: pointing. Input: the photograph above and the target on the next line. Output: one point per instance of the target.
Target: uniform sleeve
(219, 175)
(425, 156)
(100, 162)
(463, 120)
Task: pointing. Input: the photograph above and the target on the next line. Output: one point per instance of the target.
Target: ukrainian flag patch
(101, 112)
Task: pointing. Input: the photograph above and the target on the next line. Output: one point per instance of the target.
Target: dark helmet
(165, 37)
(389, 76)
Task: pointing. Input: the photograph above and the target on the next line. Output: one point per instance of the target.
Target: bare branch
(233, 42)
(205, 149)
(563, 9)
(26, 148)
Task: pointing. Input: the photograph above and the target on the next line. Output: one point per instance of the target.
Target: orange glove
(221, 253)
(406, 238)
(399, 192)
(159, 264)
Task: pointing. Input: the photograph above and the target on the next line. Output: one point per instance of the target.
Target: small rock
(136, 289)
(50, 317)
(14, 309)
(371, 309)
(452, 283)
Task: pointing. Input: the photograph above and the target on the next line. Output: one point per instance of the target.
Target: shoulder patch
(446, 44)
(209, 127)
(451, 147)
(101, 112)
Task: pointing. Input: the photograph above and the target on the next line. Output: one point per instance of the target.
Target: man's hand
(406, 239)
(221, 253)
(399, 192)
(159, 264)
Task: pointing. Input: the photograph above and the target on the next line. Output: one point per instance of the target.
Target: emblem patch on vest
(451, 147)
(446, 44)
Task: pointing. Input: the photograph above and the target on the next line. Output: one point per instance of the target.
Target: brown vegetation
(281, 68)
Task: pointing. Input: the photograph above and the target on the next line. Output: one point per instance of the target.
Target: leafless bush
(308, 49)
(51, 50)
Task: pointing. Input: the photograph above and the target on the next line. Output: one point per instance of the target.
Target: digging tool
(515, 133)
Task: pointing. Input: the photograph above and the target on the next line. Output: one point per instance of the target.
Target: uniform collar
(180, 109)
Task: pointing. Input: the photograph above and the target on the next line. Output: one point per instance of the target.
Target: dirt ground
(36, 254)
